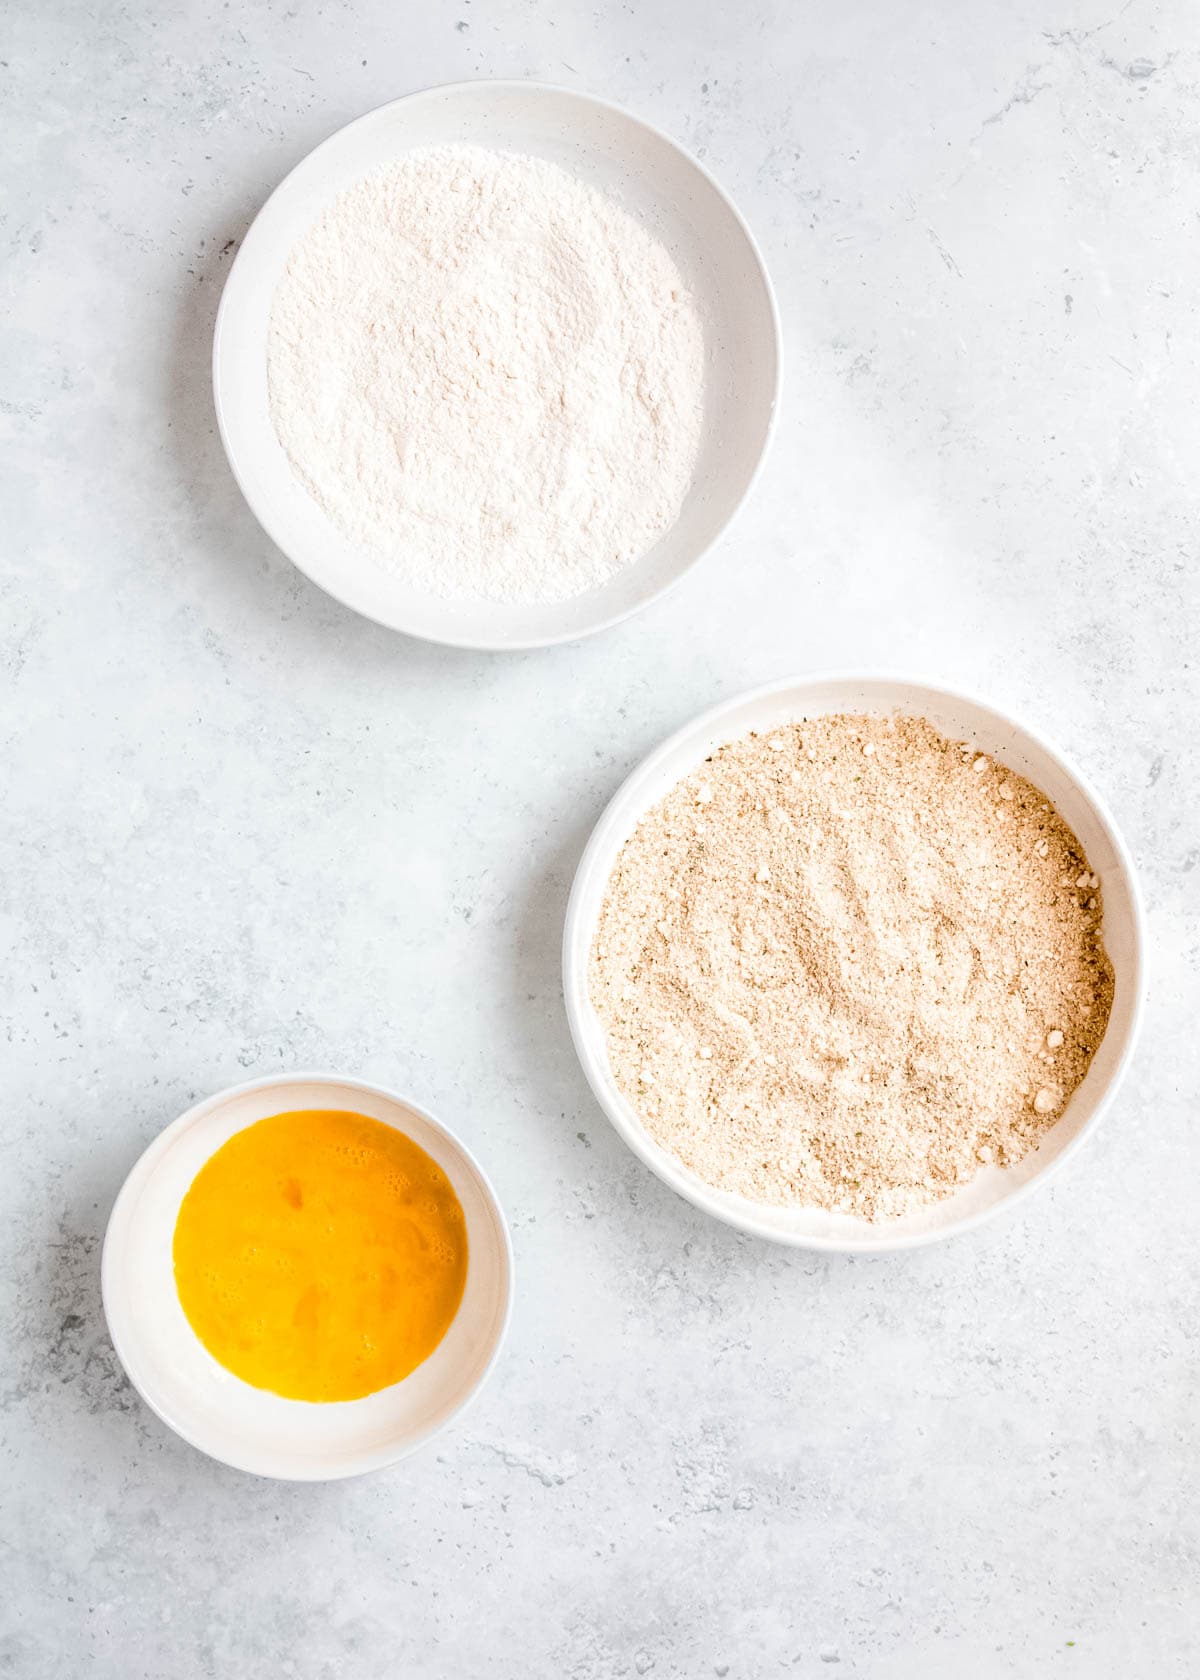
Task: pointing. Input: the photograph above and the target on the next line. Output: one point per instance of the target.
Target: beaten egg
(320, 1254)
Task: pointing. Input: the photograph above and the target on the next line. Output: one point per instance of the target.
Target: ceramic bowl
(219, 1413)
(962, 718)
(653, 178)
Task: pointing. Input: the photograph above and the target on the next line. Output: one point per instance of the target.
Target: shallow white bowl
(657, 181)
(246, 1427)
(962, 718)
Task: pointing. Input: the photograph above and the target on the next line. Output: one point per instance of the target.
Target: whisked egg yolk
(320, 1254)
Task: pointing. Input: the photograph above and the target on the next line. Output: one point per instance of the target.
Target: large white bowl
(219, 1413)
(962, 718)
(606, 147)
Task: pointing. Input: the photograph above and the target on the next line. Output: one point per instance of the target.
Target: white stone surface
(244, 830)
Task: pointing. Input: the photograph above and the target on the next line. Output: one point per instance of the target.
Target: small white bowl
(609, 149)
(962, 718)
(219, 1413)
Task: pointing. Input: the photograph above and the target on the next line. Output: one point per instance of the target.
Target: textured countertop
(244, 830)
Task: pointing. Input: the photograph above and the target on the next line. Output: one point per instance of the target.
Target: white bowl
(219, 1413)
(606, 147)
(962, 718)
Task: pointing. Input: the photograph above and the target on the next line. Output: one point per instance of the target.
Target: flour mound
(488, 375)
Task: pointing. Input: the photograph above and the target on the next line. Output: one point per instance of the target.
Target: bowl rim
(577, 937)
(110, 1291)
(484, 85)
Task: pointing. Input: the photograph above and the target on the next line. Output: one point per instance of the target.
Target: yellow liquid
(321, 1255)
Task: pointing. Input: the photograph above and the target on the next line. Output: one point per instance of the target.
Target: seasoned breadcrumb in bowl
(852, 962)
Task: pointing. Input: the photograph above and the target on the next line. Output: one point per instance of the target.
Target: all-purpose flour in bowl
(489, 375)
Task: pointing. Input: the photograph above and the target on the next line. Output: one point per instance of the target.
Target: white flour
(489, 375)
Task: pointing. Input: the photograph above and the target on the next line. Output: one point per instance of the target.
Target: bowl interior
(215, 1410)
(608, 149)
(961, 719)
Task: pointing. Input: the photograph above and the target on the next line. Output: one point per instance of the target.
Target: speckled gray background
(243, 831)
